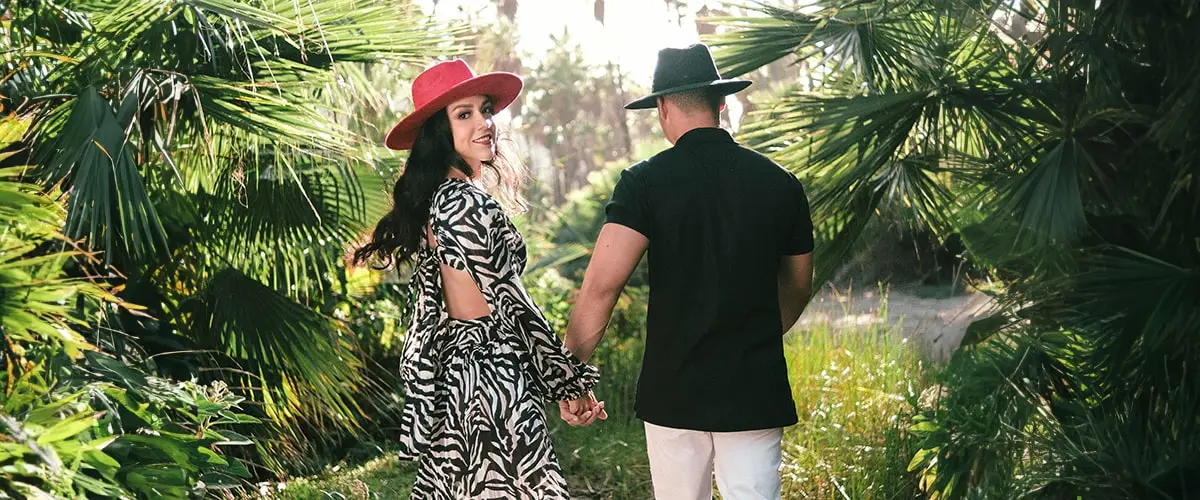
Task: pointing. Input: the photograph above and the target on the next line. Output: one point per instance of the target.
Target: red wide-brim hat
(444, 83)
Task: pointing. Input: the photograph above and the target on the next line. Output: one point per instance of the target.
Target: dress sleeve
(462, 225)
(562, 376)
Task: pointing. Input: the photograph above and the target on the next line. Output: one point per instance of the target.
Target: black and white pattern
(474, 390)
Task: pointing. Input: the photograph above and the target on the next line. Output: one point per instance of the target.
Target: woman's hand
(582, 411)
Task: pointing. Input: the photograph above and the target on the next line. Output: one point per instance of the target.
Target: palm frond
(362, 31)
(288, 235)
(34, 307)
(1046, 200)
(23, 208)
(884, 43)
(856, 147)
(108, 205)
(266, 113)
(753, 42)
(366, 98)
(298, 363)
(1122, 290)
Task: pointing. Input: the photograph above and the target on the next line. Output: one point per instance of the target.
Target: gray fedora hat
(680, 70)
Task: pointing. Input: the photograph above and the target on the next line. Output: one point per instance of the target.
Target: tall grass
(855, 387)
(385, 477)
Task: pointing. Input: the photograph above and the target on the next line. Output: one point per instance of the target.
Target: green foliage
(124, 435)
(33, 289)
(376, 311)
(1049, 136)
(564, 237)
(74, 422)
(210, 166)
(619, 357)
(857, 390)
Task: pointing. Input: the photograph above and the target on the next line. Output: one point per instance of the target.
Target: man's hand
(582, 411)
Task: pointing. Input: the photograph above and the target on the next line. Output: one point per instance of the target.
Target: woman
(479, 358)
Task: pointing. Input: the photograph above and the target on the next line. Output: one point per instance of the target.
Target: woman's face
(473, 130)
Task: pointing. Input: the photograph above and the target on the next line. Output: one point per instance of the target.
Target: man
(730, 253)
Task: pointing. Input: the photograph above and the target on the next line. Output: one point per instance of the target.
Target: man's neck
(694, 124)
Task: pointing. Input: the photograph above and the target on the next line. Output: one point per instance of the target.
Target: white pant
(747, 463)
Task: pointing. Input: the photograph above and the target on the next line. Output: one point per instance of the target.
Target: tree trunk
(618, 81)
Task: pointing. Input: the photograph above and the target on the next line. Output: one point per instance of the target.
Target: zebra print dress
(475, 390)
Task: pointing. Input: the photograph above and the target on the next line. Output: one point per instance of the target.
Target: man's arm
(795, 287)
(618, 250)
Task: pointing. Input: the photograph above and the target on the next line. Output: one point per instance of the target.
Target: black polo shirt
(719, 218)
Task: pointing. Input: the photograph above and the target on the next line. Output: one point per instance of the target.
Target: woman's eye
(464, 115)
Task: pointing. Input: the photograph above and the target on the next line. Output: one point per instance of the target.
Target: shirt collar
(705, 134)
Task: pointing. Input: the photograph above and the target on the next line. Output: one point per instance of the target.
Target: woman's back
(462, 297)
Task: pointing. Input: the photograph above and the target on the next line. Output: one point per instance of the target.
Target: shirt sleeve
(627, 206)
(800, 239)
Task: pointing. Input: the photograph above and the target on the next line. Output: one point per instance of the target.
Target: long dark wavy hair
(397, 236)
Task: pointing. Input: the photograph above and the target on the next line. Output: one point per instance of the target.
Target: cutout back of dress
(460, 295)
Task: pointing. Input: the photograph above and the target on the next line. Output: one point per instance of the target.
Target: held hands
(583, 411)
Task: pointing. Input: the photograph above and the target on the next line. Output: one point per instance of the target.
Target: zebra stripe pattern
(475, 390)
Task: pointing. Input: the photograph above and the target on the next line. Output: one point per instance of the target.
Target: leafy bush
(126, 435)
(1057, 140)
(564, 238)
(219, 158)
(619, 356)
(74, 421)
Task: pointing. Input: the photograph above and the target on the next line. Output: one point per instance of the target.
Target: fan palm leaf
(34, 307)
(240, 317)
(201, 147)
(108, 204)
(1062, 161)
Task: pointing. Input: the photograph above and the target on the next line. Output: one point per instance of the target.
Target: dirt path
(936, 324)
